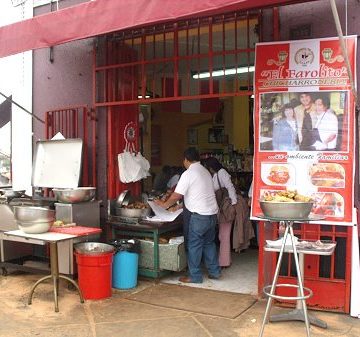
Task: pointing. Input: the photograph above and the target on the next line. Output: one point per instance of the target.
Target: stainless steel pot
(74, 195)
(30, 214)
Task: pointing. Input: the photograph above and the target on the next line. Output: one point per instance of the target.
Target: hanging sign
(304, 117)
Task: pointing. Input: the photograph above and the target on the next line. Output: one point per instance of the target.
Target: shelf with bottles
(232, 161)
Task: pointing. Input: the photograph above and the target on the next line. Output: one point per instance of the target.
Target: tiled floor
(241, 277)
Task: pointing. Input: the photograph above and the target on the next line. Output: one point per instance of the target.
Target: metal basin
(286, 210)
(34, 227)
(74, 195)
(132, 212)
(93, 248)
(30, 214)
(10, 193)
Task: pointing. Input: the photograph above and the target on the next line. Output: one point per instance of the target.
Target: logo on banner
(327, 54)
(304, 56)
(282, 56)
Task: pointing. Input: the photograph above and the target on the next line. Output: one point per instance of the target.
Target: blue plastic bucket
(125, 270)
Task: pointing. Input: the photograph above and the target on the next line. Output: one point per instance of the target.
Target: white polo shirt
(197, 187)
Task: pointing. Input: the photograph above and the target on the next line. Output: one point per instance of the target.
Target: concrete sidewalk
(121, 316)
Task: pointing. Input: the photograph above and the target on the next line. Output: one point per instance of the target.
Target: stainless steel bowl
(74, 195)
(132, 212)
(93, 248)
(27, 214)
(286, 210)
(35, 227)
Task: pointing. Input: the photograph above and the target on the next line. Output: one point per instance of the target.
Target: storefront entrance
(190, 84)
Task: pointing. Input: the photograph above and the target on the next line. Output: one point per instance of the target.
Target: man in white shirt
(197, 188)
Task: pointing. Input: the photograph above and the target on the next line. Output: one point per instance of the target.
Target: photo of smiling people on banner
(303, 121)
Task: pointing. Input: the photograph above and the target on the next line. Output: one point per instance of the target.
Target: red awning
(105, 16)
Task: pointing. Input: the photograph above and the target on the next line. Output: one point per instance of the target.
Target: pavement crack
(202, 326)
(90, 316)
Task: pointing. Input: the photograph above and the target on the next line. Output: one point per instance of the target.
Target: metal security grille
(76, 122)
(192, 59)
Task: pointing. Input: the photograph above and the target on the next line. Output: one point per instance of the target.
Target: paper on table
(162, 214)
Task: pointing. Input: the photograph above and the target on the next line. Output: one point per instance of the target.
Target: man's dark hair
(307, 94)
(191, 154)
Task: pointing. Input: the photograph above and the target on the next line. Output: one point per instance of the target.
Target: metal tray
(57, 163)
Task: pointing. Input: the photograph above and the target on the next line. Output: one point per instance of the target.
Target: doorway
(186, 83)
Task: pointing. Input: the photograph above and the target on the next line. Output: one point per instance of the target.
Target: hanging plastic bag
(132, 167)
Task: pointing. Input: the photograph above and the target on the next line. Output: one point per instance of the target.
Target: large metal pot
(286, 210)
(31, 214)
(74, 195)
(93, 248)
(132, 212)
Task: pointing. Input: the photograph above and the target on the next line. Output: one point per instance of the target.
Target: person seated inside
(161, 179)
(175, 173)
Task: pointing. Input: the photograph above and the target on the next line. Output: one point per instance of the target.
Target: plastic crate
(172, 256)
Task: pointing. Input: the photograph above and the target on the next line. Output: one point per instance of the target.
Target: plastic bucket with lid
(94, 262)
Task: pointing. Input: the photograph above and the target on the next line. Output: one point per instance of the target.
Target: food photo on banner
(304, 113)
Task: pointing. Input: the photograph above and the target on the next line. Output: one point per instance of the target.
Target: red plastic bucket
(94, 275)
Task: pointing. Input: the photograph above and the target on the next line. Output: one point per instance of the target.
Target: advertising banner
(304, 125)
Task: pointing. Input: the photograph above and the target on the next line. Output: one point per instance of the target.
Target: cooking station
(57, 164)
(120, 226)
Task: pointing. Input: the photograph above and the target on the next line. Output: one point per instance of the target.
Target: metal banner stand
(301, 297)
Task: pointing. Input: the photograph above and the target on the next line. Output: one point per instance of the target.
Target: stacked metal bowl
(34, 220)
(74, 195)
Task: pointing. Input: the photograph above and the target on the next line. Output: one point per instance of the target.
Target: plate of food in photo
(327, 175)
(328, 204)
(277, 174)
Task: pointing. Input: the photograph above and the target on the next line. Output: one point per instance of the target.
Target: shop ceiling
(104, 16)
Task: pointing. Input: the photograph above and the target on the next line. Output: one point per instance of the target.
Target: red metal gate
(160, 63)
(76, 122)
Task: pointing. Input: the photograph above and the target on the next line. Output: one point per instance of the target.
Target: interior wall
(174, 127)
(241, 122)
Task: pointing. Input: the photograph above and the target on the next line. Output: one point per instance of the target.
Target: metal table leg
(55, 277)
(298, 314)
(273, 285)
(301, 298)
